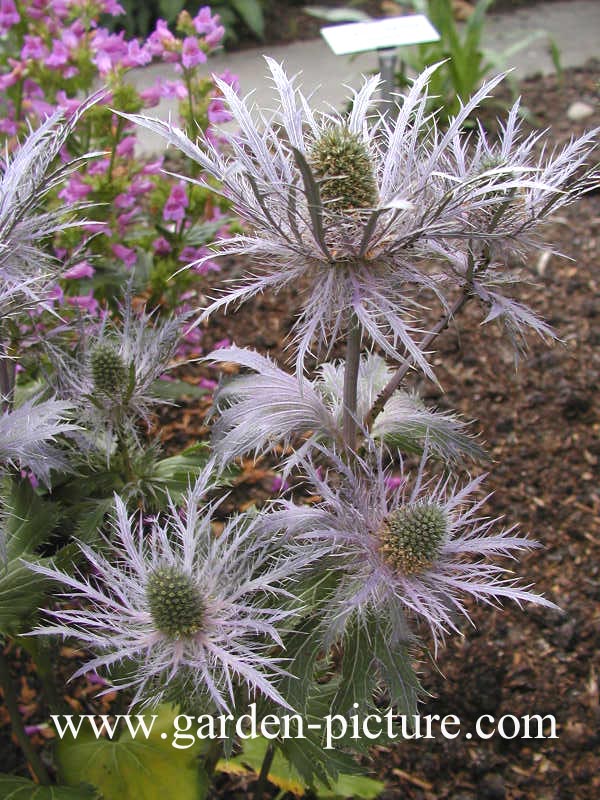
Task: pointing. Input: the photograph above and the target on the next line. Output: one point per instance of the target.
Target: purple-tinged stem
(398, 377)
(349, 428)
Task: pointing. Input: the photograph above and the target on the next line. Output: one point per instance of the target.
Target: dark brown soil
(542, 427)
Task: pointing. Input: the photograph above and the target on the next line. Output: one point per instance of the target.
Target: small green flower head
(175, 604)
(341, 162)
(109, 372)
(411, 537)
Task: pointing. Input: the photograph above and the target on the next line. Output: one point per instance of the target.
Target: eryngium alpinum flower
(353, 208)
(414, 552)
(27, 178)
(110, 376)
(255, 412)
(189, 615)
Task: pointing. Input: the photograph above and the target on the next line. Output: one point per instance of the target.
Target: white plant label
(357, 37)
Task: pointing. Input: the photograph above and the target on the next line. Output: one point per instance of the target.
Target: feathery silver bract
(192, 615)
(435, 557)
(110, 376)
(423, 214)
(259, 410)
(28, 436)
(27, 178)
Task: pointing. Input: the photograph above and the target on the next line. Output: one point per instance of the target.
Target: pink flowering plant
(53, 53)
(388, 228)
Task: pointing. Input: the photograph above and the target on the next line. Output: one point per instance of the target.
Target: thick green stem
(12, 706)
(263, 775)
(353, 340)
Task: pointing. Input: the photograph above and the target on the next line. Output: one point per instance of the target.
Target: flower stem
(12, 706)
(398, 377)
(264, 772)
(351, 381)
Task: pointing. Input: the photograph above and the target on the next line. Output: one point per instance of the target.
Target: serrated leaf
(14, 788)
(135, 769)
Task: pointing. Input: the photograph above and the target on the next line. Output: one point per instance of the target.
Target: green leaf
(283, 775)
(14, 788)
(30, 523)
(135, 769)
(252, 14)
(175, 390)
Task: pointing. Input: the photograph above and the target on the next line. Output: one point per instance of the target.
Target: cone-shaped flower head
(193, 616)
(343, 167)
(109, 371)
(411, 537)
(362, 214)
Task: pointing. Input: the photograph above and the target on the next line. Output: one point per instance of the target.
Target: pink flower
(110, 50)
(177, 202)
(59, 55)
(126, 146)
(151, 96)
(174, 89)
(82, 270)
(68, 104)
(74, 190)
(231, 79)
(152, 167)
(204, 21)
(124, 200)
(141, 185)
(98, 167)
(217, 112)
(113, 8)
(9, 15)
(161, 246)
(124, 219)
(214, 37)
(85, 302)
(137, 56)
(191, 54)
(125, 254)
(162, 44)
(34, 47)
